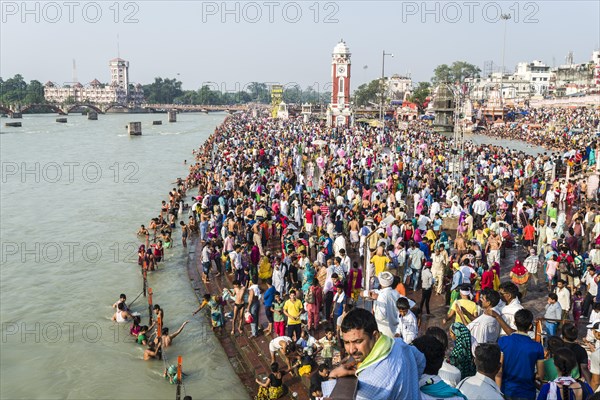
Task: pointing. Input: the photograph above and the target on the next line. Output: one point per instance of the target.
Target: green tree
(259, 92)
(420, 93)
(456, 72)
(163, 91)
(13, 90)
(206, 96)
(293, 95)
(369, 93)
(35, 93)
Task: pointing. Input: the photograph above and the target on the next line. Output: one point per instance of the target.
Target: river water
(73, 195)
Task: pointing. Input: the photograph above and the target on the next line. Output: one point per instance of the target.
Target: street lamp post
(383, 88)
(504, 17)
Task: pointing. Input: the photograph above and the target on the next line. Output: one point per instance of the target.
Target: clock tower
(339, 109)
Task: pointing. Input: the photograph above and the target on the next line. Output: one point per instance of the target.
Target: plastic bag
(248, 317)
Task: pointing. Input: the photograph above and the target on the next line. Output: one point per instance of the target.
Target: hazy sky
(235, 43)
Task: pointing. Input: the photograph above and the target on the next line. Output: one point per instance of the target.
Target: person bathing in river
(143, 231)
(122, 300)
(167, 338)
(122, 315)
(184, 233)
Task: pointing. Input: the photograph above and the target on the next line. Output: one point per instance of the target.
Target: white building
(399, 87)
(537, 74)
(118, 92)
(529, 80)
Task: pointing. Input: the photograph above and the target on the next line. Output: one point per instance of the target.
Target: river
(73, 195)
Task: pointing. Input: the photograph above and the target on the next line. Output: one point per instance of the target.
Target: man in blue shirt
(520, 357)
(268, 298)
(386, 368)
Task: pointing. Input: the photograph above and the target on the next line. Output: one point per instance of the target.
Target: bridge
(195, 107)
(64, 109)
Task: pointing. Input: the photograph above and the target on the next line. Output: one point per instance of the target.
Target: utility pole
(504, 17)
(383, 88)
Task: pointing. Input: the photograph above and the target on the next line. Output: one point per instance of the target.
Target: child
(306, 343)
(278, 316)
(171, 374)
(135, 327)
(327, 344)
(408, 328)
(141, 337)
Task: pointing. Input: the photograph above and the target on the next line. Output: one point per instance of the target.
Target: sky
(228, 45)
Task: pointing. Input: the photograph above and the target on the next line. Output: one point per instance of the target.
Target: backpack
(310, 296)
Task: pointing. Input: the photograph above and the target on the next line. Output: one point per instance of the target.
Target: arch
(90, 106)
(54, 108)
(117, 106)
(5, 110)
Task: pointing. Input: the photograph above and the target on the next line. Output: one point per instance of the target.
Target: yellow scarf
(382, 348)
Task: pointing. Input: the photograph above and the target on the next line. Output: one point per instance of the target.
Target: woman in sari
(461, 356)
(519, 276)
(272, 387)
(354, 282)
(308, 277)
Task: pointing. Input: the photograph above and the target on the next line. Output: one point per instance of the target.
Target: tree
(456, 72)
(259, 92)
(13, 90)
(369, 93)
(163, 91)
(420, 94)
(35, 93)
(293, 95)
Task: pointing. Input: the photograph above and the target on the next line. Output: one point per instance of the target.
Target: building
(537, 74)
(118, 92)
(339, 111)
(444, 104)
(399, 87)
(536, 79)
(119, 73)
(571, 79)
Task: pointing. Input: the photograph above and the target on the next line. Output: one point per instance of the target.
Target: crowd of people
(370, 226)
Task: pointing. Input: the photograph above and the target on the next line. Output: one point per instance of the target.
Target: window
(341, 85)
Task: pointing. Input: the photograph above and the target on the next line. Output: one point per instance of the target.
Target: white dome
(341, 48)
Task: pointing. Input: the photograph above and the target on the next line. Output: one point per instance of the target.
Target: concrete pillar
(172, 116)
(134, 128)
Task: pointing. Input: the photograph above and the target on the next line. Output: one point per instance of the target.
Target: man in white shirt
(532, 263)
(483, 386)
(485, 328)
(206, 253)
(479, 209)
(422, 222)
(416, 257)
(509, 293)
(384, 306)
(589, 278)
(564, 297)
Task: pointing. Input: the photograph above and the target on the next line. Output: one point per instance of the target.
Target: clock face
(341, 70)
